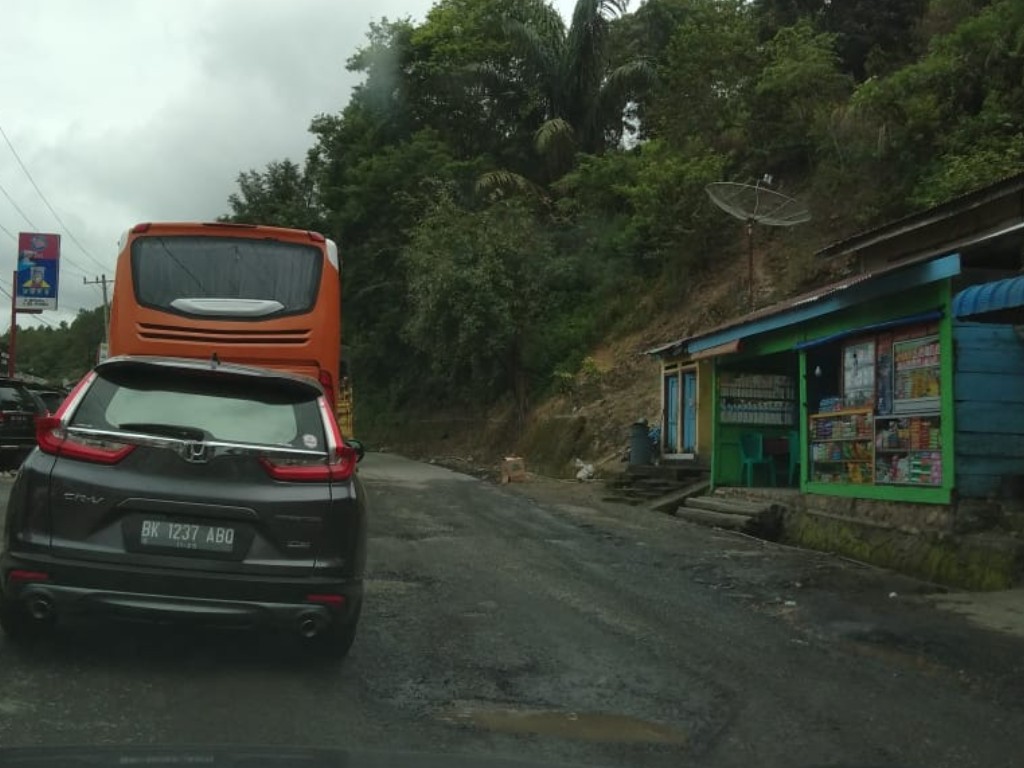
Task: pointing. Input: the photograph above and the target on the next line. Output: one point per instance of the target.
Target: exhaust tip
(310, 625)
(40, 608)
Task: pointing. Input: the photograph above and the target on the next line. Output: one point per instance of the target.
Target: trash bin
(639, 444)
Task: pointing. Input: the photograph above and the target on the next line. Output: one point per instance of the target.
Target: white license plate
(190, 536)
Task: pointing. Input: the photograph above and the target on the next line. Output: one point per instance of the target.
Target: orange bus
(254, 295)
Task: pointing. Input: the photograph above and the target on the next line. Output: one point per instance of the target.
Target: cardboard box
(513, 470)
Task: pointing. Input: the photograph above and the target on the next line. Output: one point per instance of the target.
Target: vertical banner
(38, 268)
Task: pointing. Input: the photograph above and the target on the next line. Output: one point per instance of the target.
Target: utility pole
(103, 282)
(12, 336)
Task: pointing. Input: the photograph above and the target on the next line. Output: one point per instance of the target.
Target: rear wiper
(168, 430)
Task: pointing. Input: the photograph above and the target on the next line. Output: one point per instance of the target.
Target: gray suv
(180, 489)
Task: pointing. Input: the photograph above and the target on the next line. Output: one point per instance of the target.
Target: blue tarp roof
(989, 297)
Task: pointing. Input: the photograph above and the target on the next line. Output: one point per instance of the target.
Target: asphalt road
(565, 632)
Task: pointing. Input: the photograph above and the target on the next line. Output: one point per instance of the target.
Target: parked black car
(19, 408)
(52, 398)
(180, 489)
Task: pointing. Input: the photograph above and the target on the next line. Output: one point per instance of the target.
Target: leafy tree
(680, 229)
(945, 123)
(873, 37)
(452, 296)
(646, 33)
(707, 76)
(480, 288)
(281, 195)
(583, 97)
(64, 352)
(774, 15)
(379, 108)
(465, 80)
(798, 86)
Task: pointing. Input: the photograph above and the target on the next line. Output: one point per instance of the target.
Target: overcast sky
(146, 110)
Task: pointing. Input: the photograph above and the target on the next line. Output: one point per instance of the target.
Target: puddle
(894, 656)
(885, 646)
(582, 726)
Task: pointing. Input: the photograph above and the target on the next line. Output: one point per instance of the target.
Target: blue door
(672, 413)
(689, 412)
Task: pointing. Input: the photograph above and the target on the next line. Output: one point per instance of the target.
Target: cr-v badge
(81, 498)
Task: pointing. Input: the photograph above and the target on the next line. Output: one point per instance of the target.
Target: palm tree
(583, 98)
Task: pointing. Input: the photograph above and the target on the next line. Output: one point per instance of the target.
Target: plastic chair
(794, 457)
(752, 455)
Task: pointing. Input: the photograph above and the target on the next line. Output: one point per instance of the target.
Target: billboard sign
(38, 270)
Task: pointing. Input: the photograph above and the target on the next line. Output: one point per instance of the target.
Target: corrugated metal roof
(989, 297)
(1009, 185)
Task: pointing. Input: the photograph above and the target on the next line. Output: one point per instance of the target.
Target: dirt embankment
(590, 415)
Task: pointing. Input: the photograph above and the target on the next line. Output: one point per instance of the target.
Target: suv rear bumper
(157, 594)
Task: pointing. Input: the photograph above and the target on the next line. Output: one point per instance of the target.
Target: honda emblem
(195, 453)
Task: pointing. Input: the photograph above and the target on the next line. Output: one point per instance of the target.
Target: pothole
(581, 726)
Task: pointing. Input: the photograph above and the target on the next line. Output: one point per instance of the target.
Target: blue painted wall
(989, 391)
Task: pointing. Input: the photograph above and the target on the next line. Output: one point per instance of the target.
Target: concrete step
(628, 500)
(728, 506)
(684, 472)
(716, 519)
(658, 487)
(670, 501)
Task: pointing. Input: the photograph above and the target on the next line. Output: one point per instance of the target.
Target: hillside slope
(618, 384)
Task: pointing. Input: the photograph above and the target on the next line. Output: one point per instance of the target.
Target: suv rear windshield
(16, 398)
(190, 267)
(241, 409)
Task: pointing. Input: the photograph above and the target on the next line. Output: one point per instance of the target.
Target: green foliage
(583, 95)
(64, 352)
(707, 75)
(465, 80)
(482, 286)
(798, 86)
(945, 123)
(283, 194)
(675, 221)
(497, 215)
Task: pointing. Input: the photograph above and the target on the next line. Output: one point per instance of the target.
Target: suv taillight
(340, 467)
(327, 382)
(53, 437)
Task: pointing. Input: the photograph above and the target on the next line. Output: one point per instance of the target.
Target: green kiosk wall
(779, 348)
(728, 454)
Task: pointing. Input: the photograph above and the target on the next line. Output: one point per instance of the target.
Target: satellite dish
(756, 204)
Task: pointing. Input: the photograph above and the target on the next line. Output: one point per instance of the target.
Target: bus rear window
(185, 274)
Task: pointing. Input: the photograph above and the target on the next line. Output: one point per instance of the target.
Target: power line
(67, 230)
(17, 207)
(7, 294)
(66, 259)
(42, 320)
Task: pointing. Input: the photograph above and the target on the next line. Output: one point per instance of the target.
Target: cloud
(130, 111)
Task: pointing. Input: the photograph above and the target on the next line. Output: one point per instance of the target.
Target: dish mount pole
(750, 264)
